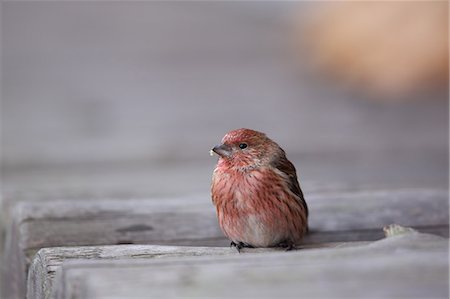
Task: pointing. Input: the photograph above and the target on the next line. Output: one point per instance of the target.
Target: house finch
(255, 190)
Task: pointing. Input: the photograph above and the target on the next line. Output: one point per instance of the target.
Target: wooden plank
(47, 262)
(411, 265)
(101, 222)
(192, 221)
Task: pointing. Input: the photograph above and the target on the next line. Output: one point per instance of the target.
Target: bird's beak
(222, 150)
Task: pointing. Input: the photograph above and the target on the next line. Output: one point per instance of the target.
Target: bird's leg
(237, 245)
(240, 245)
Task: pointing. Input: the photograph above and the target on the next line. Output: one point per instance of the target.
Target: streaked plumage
(258, 199)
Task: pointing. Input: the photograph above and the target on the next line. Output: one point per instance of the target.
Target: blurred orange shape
(388, 49)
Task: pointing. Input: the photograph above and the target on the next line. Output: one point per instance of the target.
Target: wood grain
(48, 261)
(354, 216)
(413, 265)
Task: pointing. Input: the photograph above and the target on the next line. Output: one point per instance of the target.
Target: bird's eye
(242, 145)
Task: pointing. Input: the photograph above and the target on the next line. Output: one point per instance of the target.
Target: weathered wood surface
(412, 265)
(48, 261)
(192, 221)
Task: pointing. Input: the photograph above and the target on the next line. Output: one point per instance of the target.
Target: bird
(256, 193)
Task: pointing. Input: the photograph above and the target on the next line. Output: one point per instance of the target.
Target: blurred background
(125, 99)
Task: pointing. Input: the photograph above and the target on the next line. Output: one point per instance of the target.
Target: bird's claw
(240, 245)
(287, 246)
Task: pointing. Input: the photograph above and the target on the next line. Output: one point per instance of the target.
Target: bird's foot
(240, 245)
(288, 246)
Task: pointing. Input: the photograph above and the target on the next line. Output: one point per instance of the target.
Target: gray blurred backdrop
(124, 99)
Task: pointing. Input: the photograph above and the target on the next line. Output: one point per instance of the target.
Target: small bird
(256, 193)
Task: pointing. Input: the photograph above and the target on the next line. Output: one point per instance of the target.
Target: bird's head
(245, 148)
